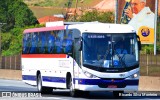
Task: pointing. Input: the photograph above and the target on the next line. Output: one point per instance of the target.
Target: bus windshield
(110, 51)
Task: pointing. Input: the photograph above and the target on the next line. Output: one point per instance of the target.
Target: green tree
(15, 13)
(12, 42)
(17, 16)
(105, 17)
(6, 39)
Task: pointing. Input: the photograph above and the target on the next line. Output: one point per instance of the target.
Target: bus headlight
(89, 75)
(135, 75)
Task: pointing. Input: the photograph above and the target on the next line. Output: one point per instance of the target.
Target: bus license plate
(112, 86)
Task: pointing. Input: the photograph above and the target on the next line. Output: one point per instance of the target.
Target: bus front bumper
(97, 88)
(106, 84)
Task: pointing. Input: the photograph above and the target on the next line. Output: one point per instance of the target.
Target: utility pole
(155, 27)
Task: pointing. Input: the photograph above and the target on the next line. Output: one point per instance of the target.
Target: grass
(41, 11)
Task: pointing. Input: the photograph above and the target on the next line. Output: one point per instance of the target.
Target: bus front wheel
(42, 89)
(73, 92)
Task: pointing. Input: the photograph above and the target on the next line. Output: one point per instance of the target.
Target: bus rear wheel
(42, 89)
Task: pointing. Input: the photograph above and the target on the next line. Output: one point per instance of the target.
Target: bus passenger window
(69, 43)
(51, 39)
(59, 36)
(34, 41)
(58, 45)
(25, 46)
(28, 43)
(42, 42)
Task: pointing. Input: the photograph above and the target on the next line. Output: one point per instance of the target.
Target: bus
(81, 58)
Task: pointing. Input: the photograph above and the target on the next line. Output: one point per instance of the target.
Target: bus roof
(43, 29)
(89, 27)
(103, 28)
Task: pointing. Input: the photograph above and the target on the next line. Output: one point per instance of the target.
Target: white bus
(81, 58)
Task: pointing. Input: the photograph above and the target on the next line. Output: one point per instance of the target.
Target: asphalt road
(14, 89)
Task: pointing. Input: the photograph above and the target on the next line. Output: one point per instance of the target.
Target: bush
(105, 17)
(149, 49)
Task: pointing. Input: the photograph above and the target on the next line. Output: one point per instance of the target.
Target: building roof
(45, 19)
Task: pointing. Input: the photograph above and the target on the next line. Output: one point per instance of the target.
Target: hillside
(43, 8)
(61, 3)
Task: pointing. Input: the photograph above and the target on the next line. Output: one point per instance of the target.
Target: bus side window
(68, 42)
(25, 48)
(28, 42)
(58, 41)
(34, 42)
(42, 42)
(51, 40)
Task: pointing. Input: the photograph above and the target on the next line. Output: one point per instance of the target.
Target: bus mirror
(139, 45)
(139, 42)
(80, 46)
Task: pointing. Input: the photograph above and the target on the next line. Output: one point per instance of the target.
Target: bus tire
(117, 94)
(73, 92)
(42, 89)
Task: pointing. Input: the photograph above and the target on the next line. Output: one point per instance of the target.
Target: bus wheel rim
(39, 84)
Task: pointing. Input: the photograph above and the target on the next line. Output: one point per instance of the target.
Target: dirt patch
(11, 74)
(146, 83)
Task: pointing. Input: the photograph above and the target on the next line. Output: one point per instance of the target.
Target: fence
(150, 64)
(11, 62)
